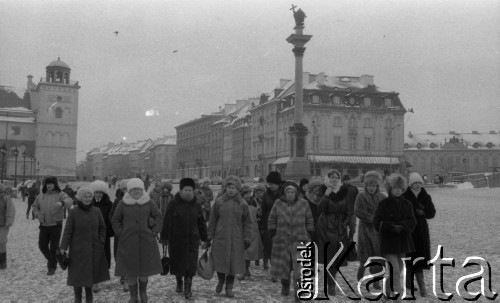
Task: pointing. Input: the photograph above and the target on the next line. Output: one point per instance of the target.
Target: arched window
(66, 78)
(59, 77)
(59, 112)
(51, 77)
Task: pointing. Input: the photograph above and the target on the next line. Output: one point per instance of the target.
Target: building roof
(453, 140)
(345, 160)
(58, 63)
(14, 98)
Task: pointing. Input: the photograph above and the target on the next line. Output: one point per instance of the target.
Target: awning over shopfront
(283, 160)
(354, 160)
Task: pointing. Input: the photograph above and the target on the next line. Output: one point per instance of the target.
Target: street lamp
(390, 149)
(3, 151)
(16, 153)
(31, 166)
(24, 166)
(38, 169)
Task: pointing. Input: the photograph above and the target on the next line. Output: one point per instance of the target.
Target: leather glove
(247, 244)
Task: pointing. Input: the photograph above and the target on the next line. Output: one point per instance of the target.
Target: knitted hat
(233, 180)
(333, 171)
(187, 182)
(135, 183)
(314, 183)
(395, 180)
(414, 178)
(99, 186)
(260, 187)
(372, 177)
(274, 177)
(290, 185)
(82, 191)
(245, 188)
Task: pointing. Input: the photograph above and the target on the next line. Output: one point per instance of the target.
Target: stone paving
(466, 224)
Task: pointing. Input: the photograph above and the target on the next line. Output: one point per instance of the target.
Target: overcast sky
(441, 56)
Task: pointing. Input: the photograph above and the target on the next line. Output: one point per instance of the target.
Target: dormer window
(367, 101)
(407, 145)
(336, 100)
(352, 101)
(489, 145)
(475, 145)
(388, 102)
(316, 99)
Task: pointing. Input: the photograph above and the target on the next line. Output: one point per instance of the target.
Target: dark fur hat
(50, 180)
(187, 182)
(395, 180)
(233, 180)
(274, 177)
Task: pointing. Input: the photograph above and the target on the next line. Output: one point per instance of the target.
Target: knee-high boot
(179, 289)
(143, 291)
(285, 287)
(229, 286)
(220, 284)
(78, 294)
(89, 296)
(187, 287)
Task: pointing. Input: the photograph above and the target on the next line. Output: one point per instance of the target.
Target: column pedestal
(298, 166)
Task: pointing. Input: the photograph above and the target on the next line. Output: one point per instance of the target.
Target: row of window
(456, 163)
(338, 100)
(368, 143)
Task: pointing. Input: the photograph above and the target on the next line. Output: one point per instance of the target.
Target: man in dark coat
(272, 194)
(102, 201)
(351, 199)
(184, 226)
(32, 193)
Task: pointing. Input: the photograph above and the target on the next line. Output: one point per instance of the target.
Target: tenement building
(354, 126)
(439, 154)
(39, 126)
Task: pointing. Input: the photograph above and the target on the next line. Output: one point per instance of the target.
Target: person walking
(7, 216)
(272, 194)
(230, 229)
(184, 226)
(291, 222)
(32, 193)
(102, 201)
(121, 191)
(48, 208)
(424, 209)
(395, 221)
(351, 199)
(209, 197)
(333, 223)
(84, 235)
(258, 195)
(137, 221)
(368, 236)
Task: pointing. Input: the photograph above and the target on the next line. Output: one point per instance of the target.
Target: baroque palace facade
(353, 126)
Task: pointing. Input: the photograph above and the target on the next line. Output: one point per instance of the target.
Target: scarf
(83, 206)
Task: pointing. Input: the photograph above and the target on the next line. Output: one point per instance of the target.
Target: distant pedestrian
(184, 226)
(291, 222)
(395, 221)
(303, 187)
(258, 195)
(209, 197)
(102, 201)
(32, 193)
(230, 229)
(368, 236)
(272, 194)
(424, 209)
(137, 221)
(84, 236)
(146, 183)
(7, 215)
(48, 208)
(23, 189)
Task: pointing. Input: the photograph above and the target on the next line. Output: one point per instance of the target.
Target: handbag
(205, 268)
(62, 259)
(165, 262)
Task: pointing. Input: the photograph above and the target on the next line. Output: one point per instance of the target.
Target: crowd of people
(242, 224)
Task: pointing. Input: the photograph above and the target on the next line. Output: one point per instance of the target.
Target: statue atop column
(299, 16)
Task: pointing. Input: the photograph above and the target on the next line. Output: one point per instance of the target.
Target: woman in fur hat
(184, 226)
(333, 222)
(48, 208)
(395, 221)
(291, 223)
(258, 195)
(137, 221)
(84, 236)
(255, 251)
(102, 201)
(424, 209)
(313, 197)
(368, 236)
(230, 229)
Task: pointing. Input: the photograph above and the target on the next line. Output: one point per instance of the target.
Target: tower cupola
(58, 72)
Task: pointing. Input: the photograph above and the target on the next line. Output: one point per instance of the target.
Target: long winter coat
(137, 223)
(292, 221)
(368, 236)
(183, 227)
(230, 226)
(332, 224)
(395, 211)
(105, 206)
(420, 235)
(255, 251)
(84, 234)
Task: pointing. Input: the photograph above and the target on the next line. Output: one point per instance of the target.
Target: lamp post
(3, 151)
(24, 166)
(16, 153)
(38, 169)
(390, 149)
(31, 167)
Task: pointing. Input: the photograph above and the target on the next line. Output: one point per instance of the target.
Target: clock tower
(54, 100)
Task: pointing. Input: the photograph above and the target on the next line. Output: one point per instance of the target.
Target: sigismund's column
(298, 166)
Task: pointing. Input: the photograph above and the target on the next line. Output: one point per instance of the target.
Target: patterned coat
(368, 236)
(292, 222)
(137, 223)
(332, 224)
(230, 226)
(420, 236)
(183, 227)
(84, 234)
(395, 211)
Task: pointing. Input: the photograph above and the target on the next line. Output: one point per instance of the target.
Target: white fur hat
(135, 183)
(414, 178)
(82, 191)
(99, 186)
(373, 177)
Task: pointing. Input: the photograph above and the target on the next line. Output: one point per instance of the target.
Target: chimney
(31, 85)
(229, 108)
(366, 80)
(452, 132)
(320, 78)
(475, 132)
